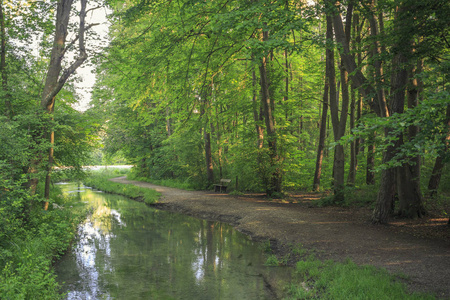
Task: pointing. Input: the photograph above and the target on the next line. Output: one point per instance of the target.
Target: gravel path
(333, 233)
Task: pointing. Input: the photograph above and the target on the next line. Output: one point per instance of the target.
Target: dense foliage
(30, 241)
(37, 223)
(197, 91)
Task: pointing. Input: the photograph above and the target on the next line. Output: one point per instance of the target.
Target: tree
(56, 77)
(231, 88)
(403, 34)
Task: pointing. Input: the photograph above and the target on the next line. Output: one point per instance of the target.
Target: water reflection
(127, 250)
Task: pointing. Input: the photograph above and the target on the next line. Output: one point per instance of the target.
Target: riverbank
(32, 242)
(331, 233)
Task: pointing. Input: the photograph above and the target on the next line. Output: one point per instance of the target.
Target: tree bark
(3, 66)
(410, 195)
(56, 78)
(353, 144)
(323, 123)
(258, 113)
(370, 175)
(339, 122)
(207, 141)
(435, 178)
(356, 76)
(386, 193)
(377, 64)
(275, 181)
(353, 162)
(208, 158)
(359, 110)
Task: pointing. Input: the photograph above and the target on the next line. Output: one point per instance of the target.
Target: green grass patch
(174, 183)
(332, 280)
(100, 180)
(272, 261)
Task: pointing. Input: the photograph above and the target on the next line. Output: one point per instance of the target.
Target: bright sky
(85, 72)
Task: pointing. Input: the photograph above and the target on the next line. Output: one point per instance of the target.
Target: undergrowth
(28, 252)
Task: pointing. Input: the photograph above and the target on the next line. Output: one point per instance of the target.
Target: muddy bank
(333, 233)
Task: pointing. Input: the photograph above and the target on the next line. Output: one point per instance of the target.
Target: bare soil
(419, 249)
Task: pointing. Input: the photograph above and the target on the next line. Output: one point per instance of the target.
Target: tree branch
(72, 42)
(53, 87)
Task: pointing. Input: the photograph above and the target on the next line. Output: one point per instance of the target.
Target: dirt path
(334, 233)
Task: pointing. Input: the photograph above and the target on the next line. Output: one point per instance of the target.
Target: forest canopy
(282, 95)
(278, 96)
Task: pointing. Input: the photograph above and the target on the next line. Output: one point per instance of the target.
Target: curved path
(332, 233)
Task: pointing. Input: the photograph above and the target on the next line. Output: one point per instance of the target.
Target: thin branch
(72, 42)
(92, 9)
(48, 98)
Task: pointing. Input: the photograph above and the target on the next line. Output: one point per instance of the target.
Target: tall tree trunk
(353, 162)
(258, 117)
(359, 110)
(370, 165)
(219, 145)
(386, 193)
(377, 63)
(56, 79)
(355, 113)
(356, 76)
(323, 130)
(286, 78)
(3, 70)
(339, 167)
(168, 122)
(275, 181)
(258, 113)
(340, 122)
(378, 105)
(410, 195)
(435, 178)
(208, 157)
(408, 189)
(207, 141)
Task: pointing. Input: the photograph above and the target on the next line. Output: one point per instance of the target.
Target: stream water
(127, 250)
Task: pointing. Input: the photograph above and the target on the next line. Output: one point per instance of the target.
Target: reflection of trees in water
(145, 253)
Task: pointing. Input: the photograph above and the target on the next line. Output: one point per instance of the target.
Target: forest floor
(419, 249)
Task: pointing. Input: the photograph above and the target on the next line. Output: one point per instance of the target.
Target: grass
(316, 279)
(331, 280)
(174, 183)
(334, 280)
(100, 180)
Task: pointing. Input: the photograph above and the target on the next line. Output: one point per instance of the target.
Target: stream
(128, 250)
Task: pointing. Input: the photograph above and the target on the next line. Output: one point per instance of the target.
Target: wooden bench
(222, 186)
